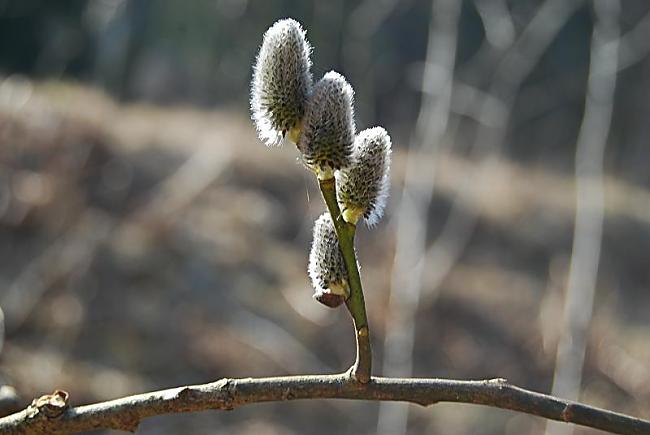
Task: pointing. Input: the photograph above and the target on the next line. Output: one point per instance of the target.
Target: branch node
(498, 381)
(363, 332)
(566, 413)
(360, 377)
(425, 403)
(50, 405)
(185, 393)
(225, 388)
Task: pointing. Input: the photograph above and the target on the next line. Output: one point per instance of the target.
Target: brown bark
(50, 414)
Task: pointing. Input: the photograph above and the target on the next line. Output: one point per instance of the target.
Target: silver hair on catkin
(328, 127)
(362, 189)
(326, 267)
(281, 82)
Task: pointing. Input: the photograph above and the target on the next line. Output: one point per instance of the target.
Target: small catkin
(326, 266)
(328, 128)
(281, 82)
(362, 189)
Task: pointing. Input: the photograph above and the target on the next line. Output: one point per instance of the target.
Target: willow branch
(46, 416)
(362, 368)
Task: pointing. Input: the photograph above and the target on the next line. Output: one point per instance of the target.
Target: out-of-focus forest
(148, 238)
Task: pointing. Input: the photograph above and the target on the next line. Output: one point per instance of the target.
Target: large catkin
(281, 82)
(328, 128)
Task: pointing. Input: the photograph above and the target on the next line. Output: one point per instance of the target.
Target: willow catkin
(362, 189)
(328, 127)
(326, 266)
(281, 82)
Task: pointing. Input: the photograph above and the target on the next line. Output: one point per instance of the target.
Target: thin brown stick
(49, 415)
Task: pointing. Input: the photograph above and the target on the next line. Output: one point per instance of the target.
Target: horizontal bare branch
(50, 414)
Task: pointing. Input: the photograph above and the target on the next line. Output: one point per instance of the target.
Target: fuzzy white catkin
(328, 127)
(281, 82)
(362, 189)
(326, 266)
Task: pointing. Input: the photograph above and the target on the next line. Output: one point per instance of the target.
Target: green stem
(361, 370)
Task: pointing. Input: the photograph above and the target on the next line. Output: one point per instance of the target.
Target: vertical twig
(590, 148)
(362, 368)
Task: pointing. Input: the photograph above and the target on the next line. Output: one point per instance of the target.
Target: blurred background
(148, 239)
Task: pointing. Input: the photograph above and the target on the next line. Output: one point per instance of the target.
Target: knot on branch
(50, 405)
(227, 402)
(499, 382)
(567, 414)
